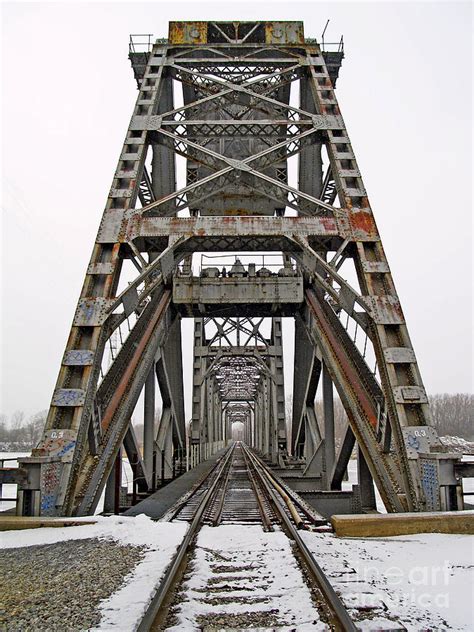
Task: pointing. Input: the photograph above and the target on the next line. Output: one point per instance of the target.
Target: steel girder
(237, 128)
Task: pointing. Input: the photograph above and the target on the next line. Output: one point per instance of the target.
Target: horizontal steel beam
(155, 122)
(233, 226)
(274, 290)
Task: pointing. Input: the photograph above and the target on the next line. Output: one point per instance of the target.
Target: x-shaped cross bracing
(261, 182)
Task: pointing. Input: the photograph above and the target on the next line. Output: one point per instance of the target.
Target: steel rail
(216, 519)
(175, 510)
(173, 569)
(267, 523)
(332, 599)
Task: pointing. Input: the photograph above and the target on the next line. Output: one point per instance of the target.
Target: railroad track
(241, 490)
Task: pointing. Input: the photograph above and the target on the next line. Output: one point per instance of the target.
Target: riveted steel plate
(419, 439)
(100, 268)
(50, 476)
(235, 226)
(430, 483)
(126, 173)
(58, 442)
(120, 193)
(187, 32)
(359, 192)
(91, 311)
(363, 225)
(385, 310)
(284, 33)
(237, 291)
(68, 397)
(327, 121)
(152, 122)
(110, 226)
(167, 263)
(410, 395)
(375, 267)
(343, 224)
(347, 299)
(395, 355)
(78, 357)
(130, 301)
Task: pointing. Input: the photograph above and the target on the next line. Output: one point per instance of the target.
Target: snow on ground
(125, 607)
(457, 444)
(423, 580)
(242, 574)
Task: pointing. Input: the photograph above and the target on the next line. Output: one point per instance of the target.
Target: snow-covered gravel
(125, 606)
(241, 576)
(47, 586)
(244, 575)
(424, 581)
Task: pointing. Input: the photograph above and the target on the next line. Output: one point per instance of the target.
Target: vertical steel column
(366, 483)
(149, 408)
(113, 487)
(279, 385)
(329, 436)
(199, 368)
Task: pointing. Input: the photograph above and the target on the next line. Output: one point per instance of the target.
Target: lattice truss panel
(236, 143)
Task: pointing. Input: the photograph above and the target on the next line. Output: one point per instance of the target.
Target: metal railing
(140, 43)
(224, 263)
(333, 47)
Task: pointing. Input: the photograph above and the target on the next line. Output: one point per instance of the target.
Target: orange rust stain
(187, 32)
(363, 221)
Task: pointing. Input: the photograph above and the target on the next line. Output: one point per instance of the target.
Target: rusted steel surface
(203, 32)
(363, 225)
(284, 33)
(122, 386)
(367, 405)
(187, 32)
(139, 226)
(13, 475)
(273, 290)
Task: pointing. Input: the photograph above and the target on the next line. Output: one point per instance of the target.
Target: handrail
(140, 42)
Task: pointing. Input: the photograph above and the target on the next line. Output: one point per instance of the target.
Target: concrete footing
(376, 525)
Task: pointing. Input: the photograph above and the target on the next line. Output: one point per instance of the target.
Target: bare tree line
(453, 415)
(21, 432)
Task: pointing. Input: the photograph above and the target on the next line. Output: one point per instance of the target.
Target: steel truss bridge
(238, 202)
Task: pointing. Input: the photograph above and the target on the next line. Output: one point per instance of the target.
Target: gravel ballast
(59, 586)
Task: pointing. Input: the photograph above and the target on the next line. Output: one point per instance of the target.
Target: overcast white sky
(405, 91)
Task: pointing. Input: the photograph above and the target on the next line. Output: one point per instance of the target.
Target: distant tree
(35, 426)
(453, 414)
(3, 427)
(340, 417)
(17, 420)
